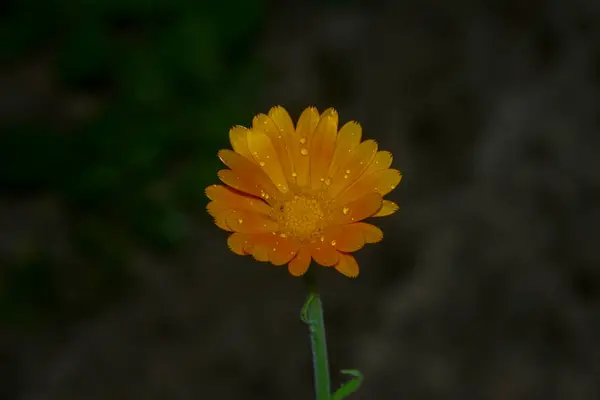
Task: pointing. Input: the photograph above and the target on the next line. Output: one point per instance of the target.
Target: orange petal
(239, 142)
(348, 238)
(388, 207)
(283, 250)
(324, 253)
(347, 265)
(265, 155)
(382, 160)
(258, 246)
(381, 182)
(227, 198)
(300, 144)
(347, 139)
(371, 233)
(360, 160)
(357, 210)
(247, 176)
(249, 222)
(322, 147)
(219, 213)
(279, 139)
(299, 264)
(237, 242)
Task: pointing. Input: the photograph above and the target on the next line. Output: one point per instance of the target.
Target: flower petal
(239, 142)
(348, 238)
(258, 246)
(299, 264)
(381, 182)
(382, 160)
(322, 147)
(388, 207)
(279, 139)
(347, 139)
(283, 250)
(265, 155)
(371, 233)
(219, 213)
(360, 159)
(228, 198)
(245, 176)
(237, 242)
(357, 210)
(324, 253)
(249, 222)
(282, 119)
(347, 265)
(301, 142)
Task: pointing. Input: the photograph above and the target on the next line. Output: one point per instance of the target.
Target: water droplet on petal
(274, 249)
(348, 171)
(294, 174)
(322, 179)
(345, 176)
(333, 242)
(302, 140)
(304, 151)
(262, 163)
(328, 181)
(345, 210)
(240, 221)
(322, 238)
(283, 235)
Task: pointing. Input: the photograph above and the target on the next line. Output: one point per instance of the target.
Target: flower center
(302, 216)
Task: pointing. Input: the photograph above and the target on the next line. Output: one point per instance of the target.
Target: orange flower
(292, 194)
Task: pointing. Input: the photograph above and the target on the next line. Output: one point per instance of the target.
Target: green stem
(312, 314)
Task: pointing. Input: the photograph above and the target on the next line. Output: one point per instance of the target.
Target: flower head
(292, 194)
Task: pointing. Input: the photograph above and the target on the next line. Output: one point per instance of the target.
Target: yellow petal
(322, 147)
(265, 155)
(283, 250)
(382, 160)
(324, 253)
(249, 222)
(237, 242)
(299, 264)
(300, 144)
(348, 138)
(279, 139)
(360, 158)
(388, 207)
(282, 119)
(239, 142)
(381, 182)
(259, 245)
(371, 233)
(228, 198)
(357, 210)
(347, 265)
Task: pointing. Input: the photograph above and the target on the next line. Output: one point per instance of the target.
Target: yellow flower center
(302, 216)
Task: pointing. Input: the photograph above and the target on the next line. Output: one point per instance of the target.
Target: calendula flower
(292, 194)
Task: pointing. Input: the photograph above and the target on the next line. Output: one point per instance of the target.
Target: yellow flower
(292, 194)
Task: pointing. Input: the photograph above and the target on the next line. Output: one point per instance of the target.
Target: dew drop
(240, 221)
(262, 163)
(348, 171)
(328, 181)
(304, 151)
(345, 210)
(333, 242)
(283, 235)
(302, 140)
(322, 179)
(294, 174)
(345, 176)
(274, 249)
(322, 238)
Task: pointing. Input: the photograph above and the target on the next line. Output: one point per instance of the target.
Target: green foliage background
(171, 77)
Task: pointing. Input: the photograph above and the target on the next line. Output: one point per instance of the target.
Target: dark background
(115, 284)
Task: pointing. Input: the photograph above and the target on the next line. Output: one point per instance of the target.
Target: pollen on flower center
(302, 216)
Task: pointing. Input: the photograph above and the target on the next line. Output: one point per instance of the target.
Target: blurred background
(115, 284)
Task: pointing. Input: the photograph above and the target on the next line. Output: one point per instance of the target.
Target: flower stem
(312, 315)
